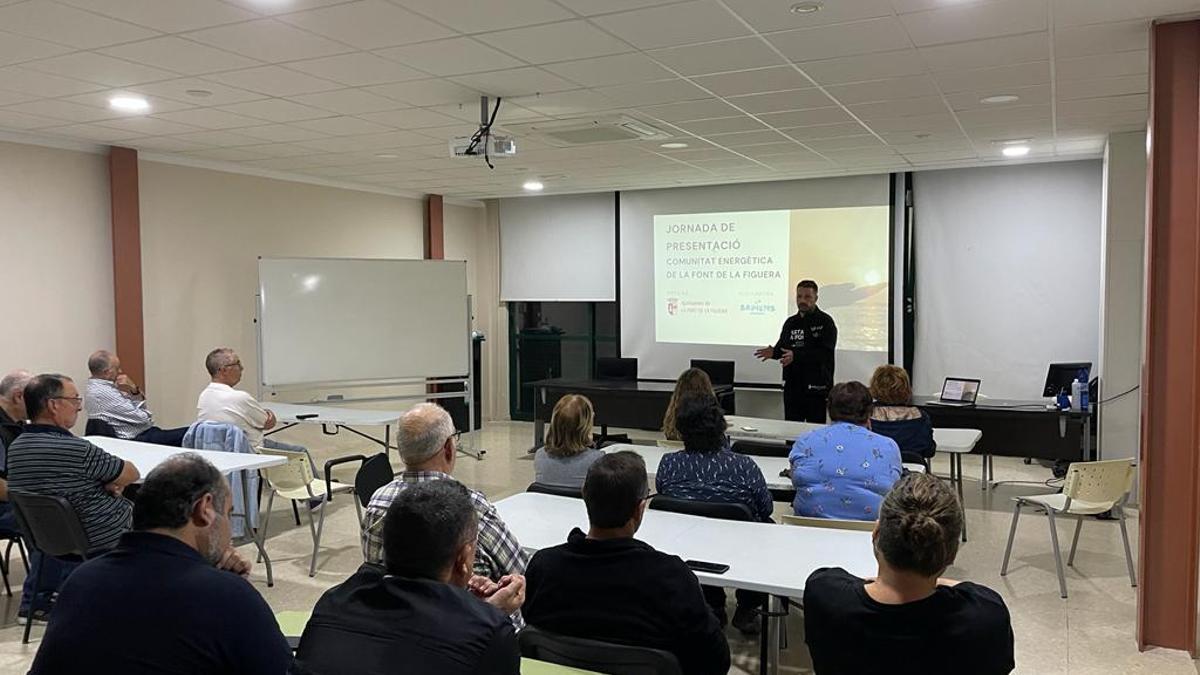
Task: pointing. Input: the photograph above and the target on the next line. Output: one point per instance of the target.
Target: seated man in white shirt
(220, 402)
(113, 396)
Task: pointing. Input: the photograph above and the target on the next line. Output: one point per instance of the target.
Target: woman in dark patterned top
(707, 470)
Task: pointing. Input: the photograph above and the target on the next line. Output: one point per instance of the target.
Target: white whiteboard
(341, 320)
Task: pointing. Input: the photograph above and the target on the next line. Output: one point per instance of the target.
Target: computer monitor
(1060, 376)
(611, 368)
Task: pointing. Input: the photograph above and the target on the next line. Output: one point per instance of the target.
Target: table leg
(959, 480)
(983, 466)
(539, 433)
(387, 439)
(774, 624)
(255, 533)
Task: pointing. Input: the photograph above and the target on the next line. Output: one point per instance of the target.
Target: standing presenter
(805, 350)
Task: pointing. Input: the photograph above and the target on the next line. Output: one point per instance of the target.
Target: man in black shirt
(907, 619)
(172, 597)
(805, 349)
(427, 613)
(606, 585)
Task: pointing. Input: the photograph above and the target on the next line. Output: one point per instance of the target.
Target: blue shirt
(155, 605)
(843, 471)
(723, 476)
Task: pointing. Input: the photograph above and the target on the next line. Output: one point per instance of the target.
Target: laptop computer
(958, 392)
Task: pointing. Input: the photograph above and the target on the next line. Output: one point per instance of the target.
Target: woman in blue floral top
(843, 470)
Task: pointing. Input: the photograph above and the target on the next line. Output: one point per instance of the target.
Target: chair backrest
(372, 475)
(49, 523)
(98, 427)
(719, 372)
(216, 436)
(761, 448)
(1107, 481)
(670, 445)
(695, 507)
(602, 657)
(612, 368)
(560, 490)
(294, 475)
(830, 523)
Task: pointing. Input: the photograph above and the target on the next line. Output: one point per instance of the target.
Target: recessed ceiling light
(386, 155)
(806, 7)
(198, 93)
(533, 186)
(1000, 98)
(673, 146)
(128, 103)
(1015, 150)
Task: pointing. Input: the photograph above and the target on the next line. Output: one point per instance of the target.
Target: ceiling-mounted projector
(483, 143)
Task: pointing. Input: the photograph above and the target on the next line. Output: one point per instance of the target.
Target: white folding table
(336, 417)
(147, 456)
(764, 557)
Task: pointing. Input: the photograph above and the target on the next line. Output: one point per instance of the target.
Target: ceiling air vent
(590, 130)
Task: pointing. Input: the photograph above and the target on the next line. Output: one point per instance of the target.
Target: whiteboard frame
(467, 382)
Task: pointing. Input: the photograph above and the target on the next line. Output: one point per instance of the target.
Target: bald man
(113, 396)
(12, 406)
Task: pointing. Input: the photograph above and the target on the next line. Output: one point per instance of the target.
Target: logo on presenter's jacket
(672, 306)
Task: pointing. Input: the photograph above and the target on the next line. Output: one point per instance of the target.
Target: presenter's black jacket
(624, 591)
(812, 339)
(372, 624)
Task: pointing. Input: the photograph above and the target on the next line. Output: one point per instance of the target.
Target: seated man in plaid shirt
(428, 446)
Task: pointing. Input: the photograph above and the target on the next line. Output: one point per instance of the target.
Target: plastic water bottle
(1076, 396)
(1083, 391)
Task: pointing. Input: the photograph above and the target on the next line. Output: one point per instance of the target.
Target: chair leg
(1128, 555)
(4, 570)
(296, 513)
(1074, 542)
(37, 584)
(312, 566)
(1062, 582)
(24, 555)
(1012, 533)
(266, 519)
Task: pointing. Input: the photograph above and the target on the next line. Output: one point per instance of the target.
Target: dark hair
(168, 494)
(808, 283)
(425, 526)
(850, 402)
(691, 381)
(701, 423)
(920, 521)
(40, 390)
(615, 485)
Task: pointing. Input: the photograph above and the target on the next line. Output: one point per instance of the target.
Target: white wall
(1008, 274)
(202, 232)
(57, 262)
(1123, 299)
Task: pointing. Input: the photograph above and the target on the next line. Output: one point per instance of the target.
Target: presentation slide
(730, 278)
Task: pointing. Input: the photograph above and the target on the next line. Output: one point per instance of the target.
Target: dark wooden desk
(1019, 428)
(631, 404)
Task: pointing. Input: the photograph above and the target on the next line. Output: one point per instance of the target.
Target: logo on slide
(672, 306)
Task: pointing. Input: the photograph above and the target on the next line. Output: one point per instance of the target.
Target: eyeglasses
(78, 400)
(457, 436)
(650, 495)
(235, 364)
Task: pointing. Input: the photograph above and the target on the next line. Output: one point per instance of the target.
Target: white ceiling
(321, 88)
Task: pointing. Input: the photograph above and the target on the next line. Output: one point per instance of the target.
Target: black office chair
(50, 525)
(720, 372)
(612, 368)
(374, 473)
(98, 427)
(594, 655)
(14, 539)
(695, 507)
(761, 449)
(558, 490)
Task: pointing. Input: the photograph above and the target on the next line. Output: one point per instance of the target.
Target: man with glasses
(428, 446)
(606, 585)
(48, 459)
(220, 402)
(174, 585)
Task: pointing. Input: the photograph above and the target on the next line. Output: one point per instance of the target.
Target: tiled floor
(1090, 632)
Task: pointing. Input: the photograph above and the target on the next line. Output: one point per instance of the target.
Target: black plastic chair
(50, 525)
(98, 427)
(760, 449)
(13, 539)
(597, 656)
(695, 507)
(719, 372)
(559, 490)
(374, 473)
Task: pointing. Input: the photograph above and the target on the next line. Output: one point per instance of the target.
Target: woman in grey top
(568, 453)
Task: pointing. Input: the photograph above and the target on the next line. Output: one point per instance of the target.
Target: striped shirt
(497, 552)
(49, 460)
(128, 416)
